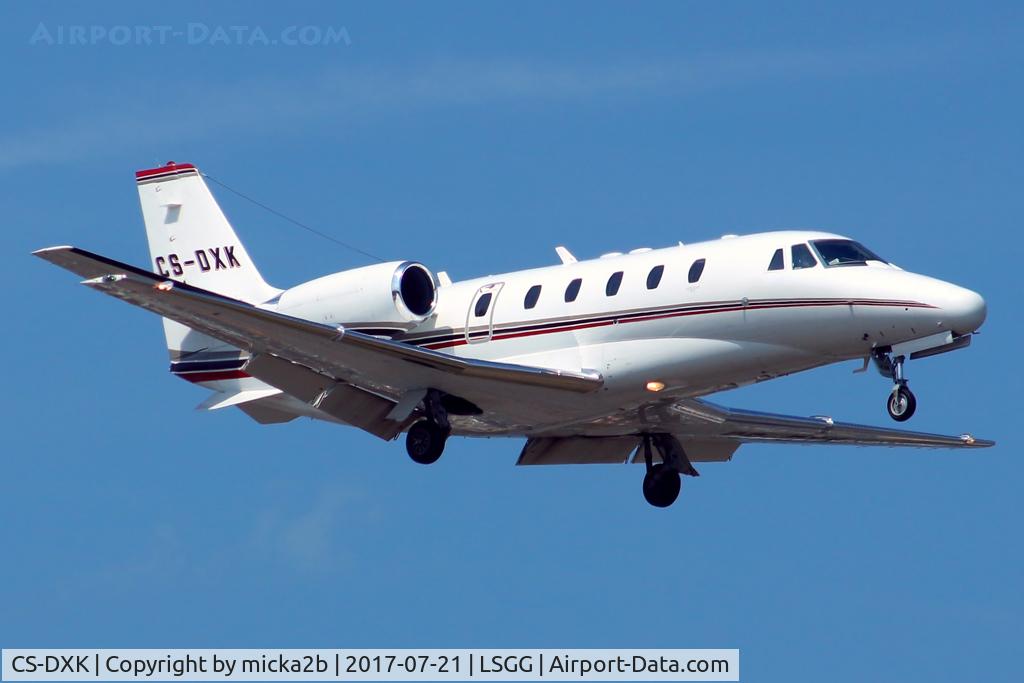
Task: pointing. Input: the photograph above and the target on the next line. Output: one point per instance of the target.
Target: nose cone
(964, 310)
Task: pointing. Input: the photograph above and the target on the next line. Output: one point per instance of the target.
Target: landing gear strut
(901, 403)
(662, 480)
(426, 439)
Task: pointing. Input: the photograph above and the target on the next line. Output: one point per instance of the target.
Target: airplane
(596, 361)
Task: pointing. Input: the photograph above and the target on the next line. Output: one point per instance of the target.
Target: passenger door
(480, 316)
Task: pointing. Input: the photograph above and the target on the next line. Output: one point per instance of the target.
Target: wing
(381, 370)
(709, 432)
(695, 418)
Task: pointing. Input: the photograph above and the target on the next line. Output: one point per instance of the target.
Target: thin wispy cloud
(312, 537)
(311, 540)
(240, 109)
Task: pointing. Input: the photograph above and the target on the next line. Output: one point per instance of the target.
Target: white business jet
(598, 361)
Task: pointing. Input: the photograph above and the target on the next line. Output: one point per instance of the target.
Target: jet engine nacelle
(387, 297)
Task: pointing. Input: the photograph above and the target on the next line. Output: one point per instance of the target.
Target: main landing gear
(901, 403)
(426, 439)
(662, 480)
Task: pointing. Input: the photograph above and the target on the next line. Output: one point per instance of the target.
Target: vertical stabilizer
(190, 240)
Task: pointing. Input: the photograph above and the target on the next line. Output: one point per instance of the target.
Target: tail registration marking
(214, 258)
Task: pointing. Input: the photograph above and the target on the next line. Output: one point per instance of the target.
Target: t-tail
(191, 241)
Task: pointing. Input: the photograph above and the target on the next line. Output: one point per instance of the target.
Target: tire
(424, 442)
(901, 404)
(661, 486)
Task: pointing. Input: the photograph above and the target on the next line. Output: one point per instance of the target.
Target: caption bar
(371, 665)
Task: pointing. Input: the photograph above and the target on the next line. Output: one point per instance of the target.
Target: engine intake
(413, 286)
(387, 297)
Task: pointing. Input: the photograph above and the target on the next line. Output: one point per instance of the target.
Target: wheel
(901, 404)
(661, 486)
(425, 442)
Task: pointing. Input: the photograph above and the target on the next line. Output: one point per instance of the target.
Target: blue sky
(475, 137)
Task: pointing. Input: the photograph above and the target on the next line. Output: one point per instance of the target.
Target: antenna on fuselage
(565, 255)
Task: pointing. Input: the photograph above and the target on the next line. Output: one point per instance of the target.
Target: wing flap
(341, 401)
(581, 450)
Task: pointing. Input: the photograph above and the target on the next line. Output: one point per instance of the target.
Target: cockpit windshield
(844, 253)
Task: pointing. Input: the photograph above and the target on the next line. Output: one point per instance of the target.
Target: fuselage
(694, 319)
(658, 324)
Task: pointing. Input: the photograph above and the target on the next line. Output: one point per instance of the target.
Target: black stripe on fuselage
(553, 324)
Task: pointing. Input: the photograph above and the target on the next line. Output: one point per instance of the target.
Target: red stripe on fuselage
(661, 316)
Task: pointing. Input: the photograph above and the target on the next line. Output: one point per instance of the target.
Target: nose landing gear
(901, 403)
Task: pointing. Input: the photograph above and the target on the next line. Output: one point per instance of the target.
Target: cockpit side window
(802, 257)
(777, 263)
(844, 253)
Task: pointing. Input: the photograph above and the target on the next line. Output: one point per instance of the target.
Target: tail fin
(190, 240)
(189, 237)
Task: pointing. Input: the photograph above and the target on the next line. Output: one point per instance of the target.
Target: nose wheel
(901, 403)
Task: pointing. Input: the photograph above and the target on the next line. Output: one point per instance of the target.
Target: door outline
(494, 289)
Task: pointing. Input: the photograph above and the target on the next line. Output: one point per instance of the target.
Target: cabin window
(776, 263)
(802, 257)
(696, 270)
(482, 304)
(531, 297)
(614, 282)
(573, 290)
(654, 277)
